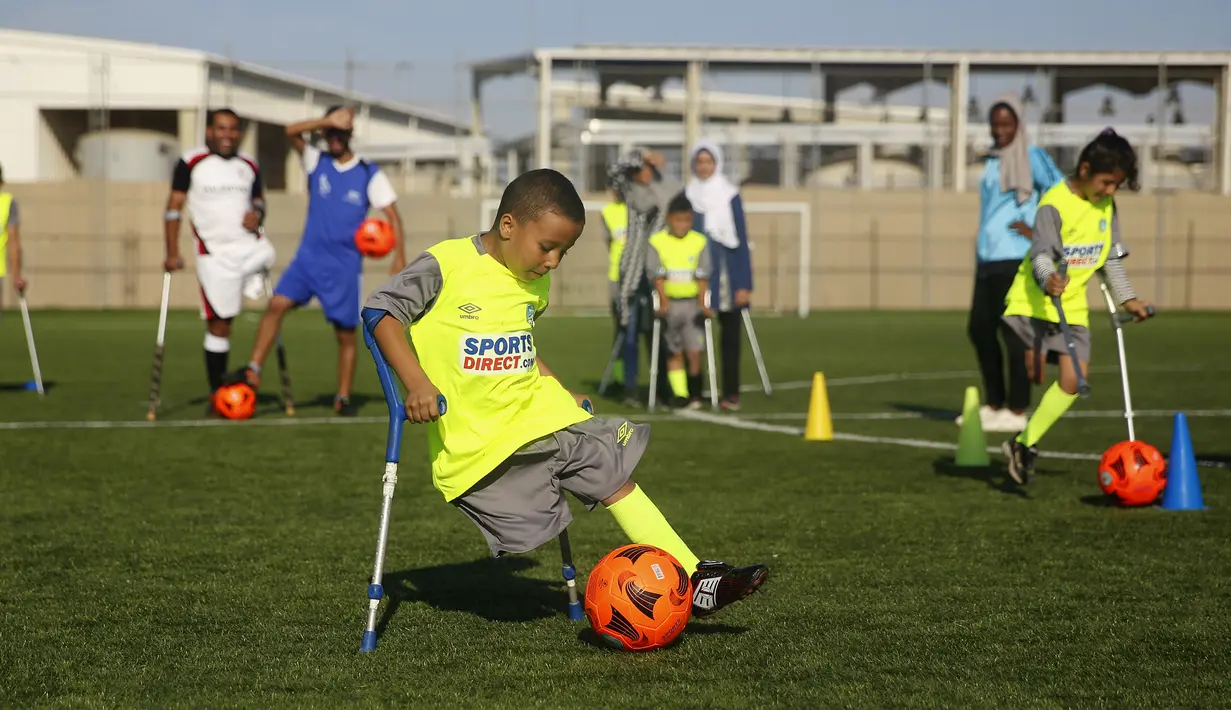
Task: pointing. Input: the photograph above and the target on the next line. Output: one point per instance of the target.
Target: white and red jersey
(220, 190)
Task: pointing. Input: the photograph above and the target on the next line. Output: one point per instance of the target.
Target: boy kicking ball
(1076, 222)
(514, 438)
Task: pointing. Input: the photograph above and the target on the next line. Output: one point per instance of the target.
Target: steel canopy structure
(834, 70)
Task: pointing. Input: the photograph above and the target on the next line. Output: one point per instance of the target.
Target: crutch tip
(150, 416)
(574, 611)
(369, 642)
(290, 410)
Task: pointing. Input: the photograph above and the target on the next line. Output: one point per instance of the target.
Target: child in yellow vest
(514, 438)
(615, 224)
(1076, 222)
(10, 240)
(677, 263)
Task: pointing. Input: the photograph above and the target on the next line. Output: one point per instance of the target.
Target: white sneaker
(986, 416)
(1007, 421)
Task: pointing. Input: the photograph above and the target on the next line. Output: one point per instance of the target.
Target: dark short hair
(679, 203)
(537, 192)
(1108, 152)
(221, 112)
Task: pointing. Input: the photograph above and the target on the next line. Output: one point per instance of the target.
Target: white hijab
(712, 197)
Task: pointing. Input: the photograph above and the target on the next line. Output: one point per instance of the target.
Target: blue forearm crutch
(566, 558)
(393, 446)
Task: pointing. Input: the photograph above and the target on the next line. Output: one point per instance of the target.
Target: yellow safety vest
(6, 205)
(476, 345)
(680, 257)
(1085, 236)
(615, 215)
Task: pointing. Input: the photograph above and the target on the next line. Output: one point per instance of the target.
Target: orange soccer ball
(1134, 472)
(374, 238)
(638, 598)
(236, 401)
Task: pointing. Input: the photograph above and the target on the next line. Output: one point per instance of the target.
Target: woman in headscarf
(1015, 175)
(720, 216)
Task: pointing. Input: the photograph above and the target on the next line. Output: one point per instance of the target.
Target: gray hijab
(1015, 172)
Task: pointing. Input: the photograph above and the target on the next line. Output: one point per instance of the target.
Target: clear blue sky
(310, 37)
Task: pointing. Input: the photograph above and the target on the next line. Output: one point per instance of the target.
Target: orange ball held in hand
(374, 238)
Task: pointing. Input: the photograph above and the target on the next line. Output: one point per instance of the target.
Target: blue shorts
(335, 287)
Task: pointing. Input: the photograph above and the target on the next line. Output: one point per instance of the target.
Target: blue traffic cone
(1183, 491)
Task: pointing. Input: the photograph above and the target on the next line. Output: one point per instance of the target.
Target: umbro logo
(469, 310)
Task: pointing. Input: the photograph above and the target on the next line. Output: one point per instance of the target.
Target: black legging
(731, 324)
(992, 282)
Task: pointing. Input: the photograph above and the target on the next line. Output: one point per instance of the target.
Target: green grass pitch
(205, 566)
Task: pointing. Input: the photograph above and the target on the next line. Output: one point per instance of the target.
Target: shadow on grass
(694, 628)
(995, 475)
(269, 401)
(1214, 460)
(27, 386)
(490, 588)
(1100, 500)
(325, 401)
(926, 411)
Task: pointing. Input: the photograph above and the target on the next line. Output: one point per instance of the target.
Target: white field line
(737, 423)
(343, 421)
(941, 414)
(944, 375)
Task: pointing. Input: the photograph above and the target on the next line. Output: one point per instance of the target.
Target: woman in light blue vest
(1014, 176)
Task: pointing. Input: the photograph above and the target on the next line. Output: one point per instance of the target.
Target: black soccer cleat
(238, 376)
(1021, 460)
(343, 407)
(717, 584)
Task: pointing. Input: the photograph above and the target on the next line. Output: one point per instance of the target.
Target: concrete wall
(99, 245)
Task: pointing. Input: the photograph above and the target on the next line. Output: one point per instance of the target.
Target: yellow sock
(641, 521)
(679, 382)
(1052, 406)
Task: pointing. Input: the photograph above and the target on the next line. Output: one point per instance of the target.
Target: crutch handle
(1126, 317)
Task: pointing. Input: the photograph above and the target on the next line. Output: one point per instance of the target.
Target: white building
(95, 108)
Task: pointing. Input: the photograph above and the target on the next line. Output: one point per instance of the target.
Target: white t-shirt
(380, 190)
(220, 190)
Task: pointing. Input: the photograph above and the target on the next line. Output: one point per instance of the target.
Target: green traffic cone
(971, 443)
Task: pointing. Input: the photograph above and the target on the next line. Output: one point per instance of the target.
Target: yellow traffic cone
(820, 424)
(971, 443)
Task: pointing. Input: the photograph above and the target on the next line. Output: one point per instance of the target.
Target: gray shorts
(685, 326)
(521, 505)
(1044, 337)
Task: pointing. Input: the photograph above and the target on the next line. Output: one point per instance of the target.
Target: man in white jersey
(226, 199)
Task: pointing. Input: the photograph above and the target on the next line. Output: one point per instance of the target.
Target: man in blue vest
(342, 188)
